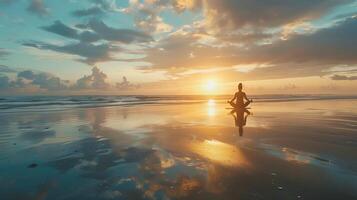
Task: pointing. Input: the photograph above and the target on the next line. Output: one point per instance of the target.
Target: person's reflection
(240, 118)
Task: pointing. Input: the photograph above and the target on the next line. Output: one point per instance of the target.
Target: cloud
(6, 69)
(99, 7)
(337, 77)
(126, 85)
(94, 31)
(3, 53)
(183, 50)
(4, 81)
(335, 44)
(146, 15)
(89, 53)
(243, 21)
(265, 14)
(7, 2)
(248, 39)
(38, 7)
(43, 80)
(95, 10)
(300, 55)
(28, 74)
(118, 35)
(31, 81)
(109, 5)
(97, 80)
(182, 5)
(63, 30)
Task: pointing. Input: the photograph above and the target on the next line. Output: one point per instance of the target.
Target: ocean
(37, 103)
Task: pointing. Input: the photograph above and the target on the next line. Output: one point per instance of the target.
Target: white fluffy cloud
(29, 80)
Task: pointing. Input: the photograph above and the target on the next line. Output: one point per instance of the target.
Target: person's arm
(235, 96)
(246, 98)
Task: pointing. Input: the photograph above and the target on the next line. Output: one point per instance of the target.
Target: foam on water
(38, 103)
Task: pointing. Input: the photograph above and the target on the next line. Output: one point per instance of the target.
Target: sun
(210, 85)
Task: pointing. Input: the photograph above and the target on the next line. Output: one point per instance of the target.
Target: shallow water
(281, 150)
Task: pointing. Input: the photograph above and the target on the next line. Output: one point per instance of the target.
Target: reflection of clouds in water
(147, 178)
(295, 157)
(134, 120)
(151, 177)
(176, 159)
(37, 136)
(86, 157)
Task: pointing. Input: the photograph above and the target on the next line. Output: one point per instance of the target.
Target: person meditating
(239, 97)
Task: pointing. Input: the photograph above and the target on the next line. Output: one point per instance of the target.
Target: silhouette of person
(239, 97)
(240, 119)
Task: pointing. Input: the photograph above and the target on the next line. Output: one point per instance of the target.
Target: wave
(62, 102)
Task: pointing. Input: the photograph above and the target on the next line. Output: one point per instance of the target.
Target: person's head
(240, 86)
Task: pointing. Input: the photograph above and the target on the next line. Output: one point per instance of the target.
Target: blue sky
(155, 42)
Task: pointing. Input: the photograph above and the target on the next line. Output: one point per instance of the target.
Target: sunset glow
(210, 86)
(178, 99)
(139, 46)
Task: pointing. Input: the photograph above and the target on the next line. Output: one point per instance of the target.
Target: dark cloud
(95, 30)
(250, 22)
(89, 53)
(28, 74)
(335, 44)
(38, 7)
(300, 55)
(117, 35)
(89, 36)
(337, 77)
(63, 30)
(95, 10)
(267, 14)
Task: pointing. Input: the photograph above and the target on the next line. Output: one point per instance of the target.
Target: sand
(281, 150)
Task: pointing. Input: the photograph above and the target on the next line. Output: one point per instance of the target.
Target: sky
(167, 47)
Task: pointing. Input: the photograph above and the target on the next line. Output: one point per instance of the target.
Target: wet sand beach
(302, 149)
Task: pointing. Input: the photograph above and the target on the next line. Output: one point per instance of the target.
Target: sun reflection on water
(211, 107)
(220, 152)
